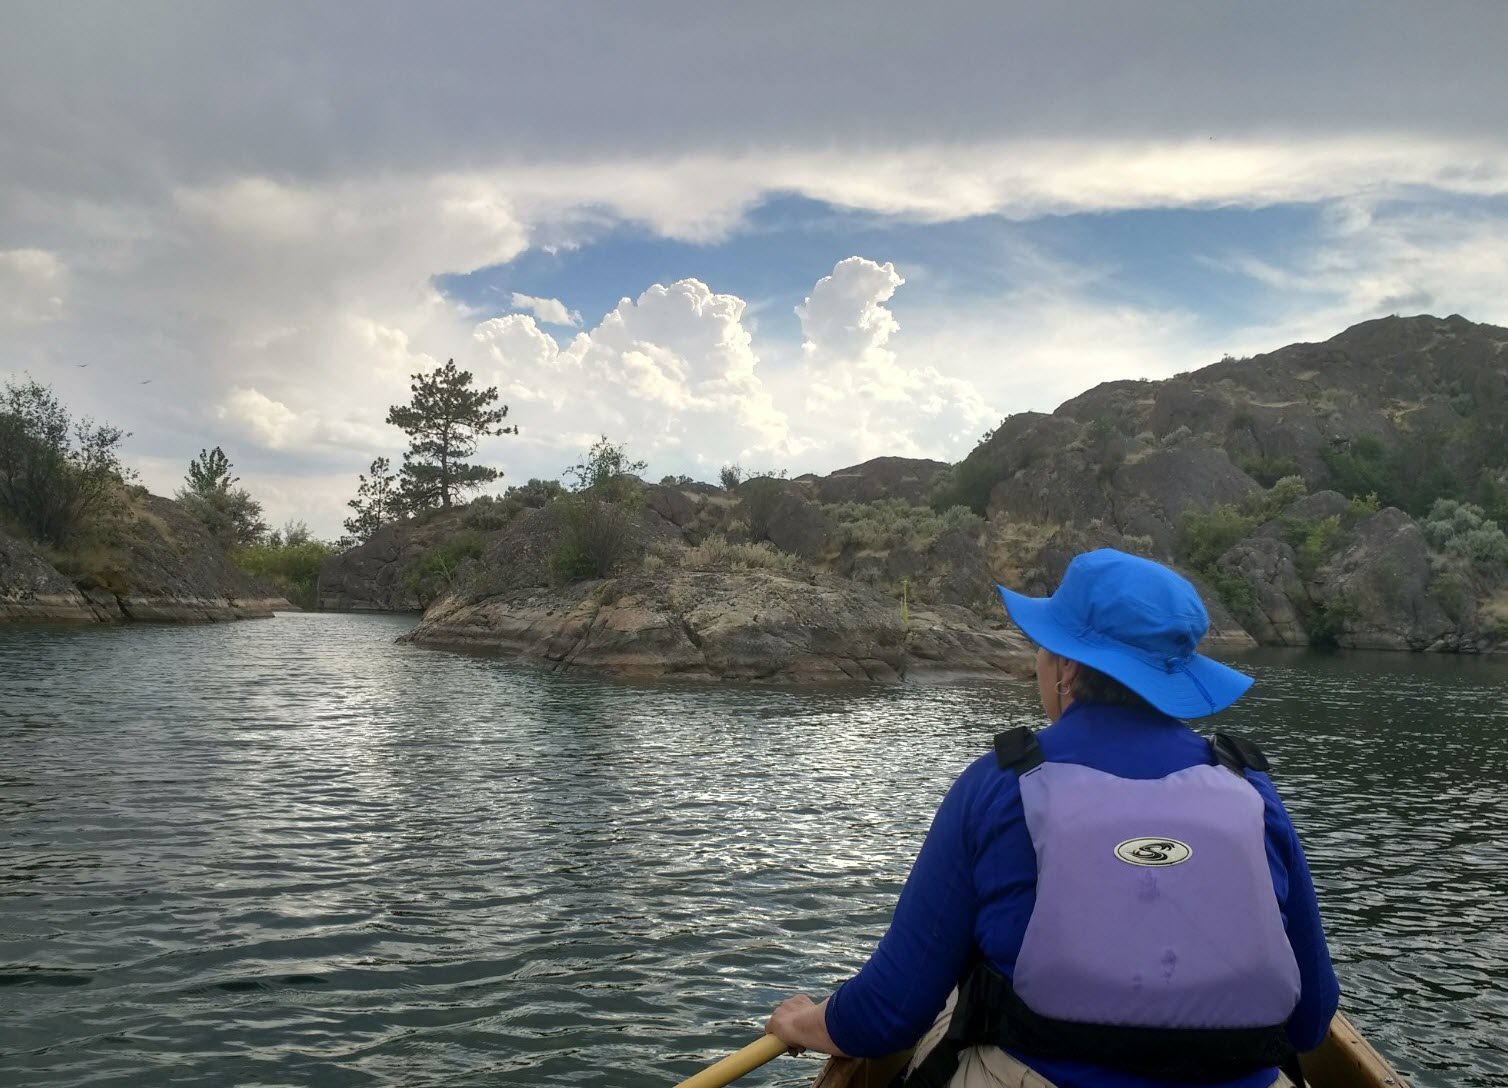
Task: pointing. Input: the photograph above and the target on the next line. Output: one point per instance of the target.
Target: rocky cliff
(154, 563)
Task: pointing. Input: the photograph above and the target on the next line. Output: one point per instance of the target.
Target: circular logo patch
(1153, 852)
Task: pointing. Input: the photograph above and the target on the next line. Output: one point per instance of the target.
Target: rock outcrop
(910, 479)
(746, 625)
(32, 591)
(375, 576)
(159, 565)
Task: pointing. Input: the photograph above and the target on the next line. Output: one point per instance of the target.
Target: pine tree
(375, 502)
(444, 421)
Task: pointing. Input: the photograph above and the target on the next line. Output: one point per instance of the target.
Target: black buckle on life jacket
(1237, 754)
(1017, 750)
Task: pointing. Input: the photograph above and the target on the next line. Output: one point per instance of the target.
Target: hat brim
(1194, 687)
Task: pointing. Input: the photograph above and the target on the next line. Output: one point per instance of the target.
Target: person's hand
(787, 1022)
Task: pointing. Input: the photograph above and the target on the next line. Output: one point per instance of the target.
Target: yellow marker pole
(736, 1064)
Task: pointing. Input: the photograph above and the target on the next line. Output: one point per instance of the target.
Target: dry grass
(717, 553)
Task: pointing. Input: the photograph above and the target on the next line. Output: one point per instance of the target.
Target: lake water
(291, 852)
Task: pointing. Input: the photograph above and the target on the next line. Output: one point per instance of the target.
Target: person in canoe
(1111, 902)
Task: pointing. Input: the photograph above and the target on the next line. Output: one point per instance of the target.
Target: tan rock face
(747, 625)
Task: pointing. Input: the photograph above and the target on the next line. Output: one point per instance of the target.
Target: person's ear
(1069, 671)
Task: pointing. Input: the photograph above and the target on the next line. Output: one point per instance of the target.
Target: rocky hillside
(1298, 486)
(152, 563)
(1341, 494)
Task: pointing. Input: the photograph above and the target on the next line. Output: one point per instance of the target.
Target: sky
(784, 235)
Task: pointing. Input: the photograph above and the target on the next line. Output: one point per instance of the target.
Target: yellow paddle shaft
(736, 1064)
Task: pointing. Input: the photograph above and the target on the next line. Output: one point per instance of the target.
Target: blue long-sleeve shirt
(974, 885)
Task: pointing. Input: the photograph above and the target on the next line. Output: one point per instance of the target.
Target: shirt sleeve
(897, 995)
(1319, 994)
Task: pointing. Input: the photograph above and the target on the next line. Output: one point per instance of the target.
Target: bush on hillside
(596, 537)
(598, 515)
(894, 523)
(436, 571)
(717, 553)
(1463, 529)
(1269, 470)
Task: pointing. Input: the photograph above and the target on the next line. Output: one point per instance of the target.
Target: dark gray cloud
(106, 95)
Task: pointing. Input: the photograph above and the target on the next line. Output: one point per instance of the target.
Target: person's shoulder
(984, 781)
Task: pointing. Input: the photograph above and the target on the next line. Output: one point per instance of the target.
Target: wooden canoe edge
(860, 1072)
(1344, 1060)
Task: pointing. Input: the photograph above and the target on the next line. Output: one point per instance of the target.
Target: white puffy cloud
(673, 372)
(32, 285)
(549, 310)
(852, 373)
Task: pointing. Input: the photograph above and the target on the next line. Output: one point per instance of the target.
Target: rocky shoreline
(163, 568)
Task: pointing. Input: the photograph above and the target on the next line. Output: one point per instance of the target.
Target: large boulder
(1279, 599)
(1376, 591)
(1151, 492)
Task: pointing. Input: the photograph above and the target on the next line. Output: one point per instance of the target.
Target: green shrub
(1237, 594)
(895, 523)
(1267, 471)
(596, 537)
(1411, 476)
(967, 484)
(489, 513)
(1284, 492)
(435, 571)
(1464, 529)
(292, 567)
(1314, 541)
(1205, 535)
(1325, 623)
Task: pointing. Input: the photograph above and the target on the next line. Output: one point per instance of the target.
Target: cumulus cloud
(887, 406)
(32, 283)
(549, 310)
(673, 370)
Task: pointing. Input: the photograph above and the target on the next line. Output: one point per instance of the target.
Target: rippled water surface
(291, 852)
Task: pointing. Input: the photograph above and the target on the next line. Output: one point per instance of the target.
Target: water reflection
(294, 852)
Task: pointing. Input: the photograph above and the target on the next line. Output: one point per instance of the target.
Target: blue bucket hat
(1136, 621)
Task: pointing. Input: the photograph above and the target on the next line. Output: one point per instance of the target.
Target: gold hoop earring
(1061, 692)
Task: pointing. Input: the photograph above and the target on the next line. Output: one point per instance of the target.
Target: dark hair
(1093, 686)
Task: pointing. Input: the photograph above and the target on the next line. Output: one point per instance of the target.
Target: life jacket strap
(1017, 750)
(1237, 754)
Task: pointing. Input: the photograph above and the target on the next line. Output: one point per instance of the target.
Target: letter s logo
(1153, 851)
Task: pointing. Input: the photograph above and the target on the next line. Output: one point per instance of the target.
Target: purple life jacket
(1156, 944)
